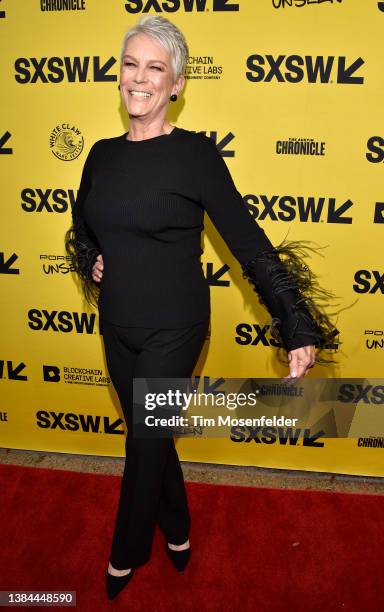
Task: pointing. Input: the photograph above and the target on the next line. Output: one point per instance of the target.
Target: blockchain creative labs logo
(74, 375)
(302, 3)
(52, 265)
(374, 339)
(62, 5)
(66, 142)
(300, 146)
(201, 67)
(189, 6)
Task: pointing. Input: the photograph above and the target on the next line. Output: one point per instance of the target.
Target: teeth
(143, 94)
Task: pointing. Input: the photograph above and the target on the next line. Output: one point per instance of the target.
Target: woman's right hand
(97, 269)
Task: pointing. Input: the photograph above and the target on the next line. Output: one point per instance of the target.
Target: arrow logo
(311, 440)
(111, 428)
(5, 266)
(335, 214)
(379, 212)
(5, 150)
(213, 277)
(100, 72)
(344, 74)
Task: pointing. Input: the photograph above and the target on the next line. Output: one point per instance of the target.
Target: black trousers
(152, 487)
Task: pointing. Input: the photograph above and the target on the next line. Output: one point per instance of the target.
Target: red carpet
(253, 549)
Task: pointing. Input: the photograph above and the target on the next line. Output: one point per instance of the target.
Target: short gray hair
(165, 33)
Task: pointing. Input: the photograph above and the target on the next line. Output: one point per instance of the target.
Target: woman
(135, 243)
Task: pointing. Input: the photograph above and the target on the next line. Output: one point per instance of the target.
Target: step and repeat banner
(291, 92)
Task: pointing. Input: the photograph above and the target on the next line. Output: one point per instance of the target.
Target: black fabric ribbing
(142, 204)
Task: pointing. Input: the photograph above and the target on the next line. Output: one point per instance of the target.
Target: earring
(173, 97)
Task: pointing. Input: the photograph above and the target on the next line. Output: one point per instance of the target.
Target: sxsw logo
(368, 394)
(61, 321)
(172, 6)
(309, 209)
(47, 200)
(254, 335)
(87, 423)
(12, 371)
(297, 68)
(5, 150)
(273, 435)
(6, 264)
(59, 69)
(368, 281)
(375, 146)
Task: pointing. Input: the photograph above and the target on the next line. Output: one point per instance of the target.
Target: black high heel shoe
(115, 584)
(179, 558)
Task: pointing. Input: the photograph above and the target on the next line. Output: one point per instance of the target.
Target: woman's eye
(157, 67)
(128, 63)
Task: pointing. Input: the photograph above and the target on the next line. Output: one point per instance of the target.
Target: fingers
(301, 360)
(97, 269)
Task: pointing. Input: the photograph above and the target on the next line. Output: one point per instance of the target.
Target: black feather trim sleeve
(291, 292)
(80, 243)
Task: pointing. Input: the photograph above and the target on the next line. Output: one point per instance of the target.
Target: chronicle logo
(371, 442)
(62, 5)
(300, 146)
(304, 209)
(202, 67)
(300, 3)
(47, 200)
(368, 281)
(75, 376)
(172, 6)
(56, 264)
(295, 69)
(66, 142)
(374, 338)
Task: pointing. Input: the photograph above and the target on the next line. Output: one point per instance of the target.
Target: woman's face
(146, 67)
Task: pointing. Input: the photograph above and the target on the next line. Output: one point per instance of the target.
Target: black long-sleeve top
(141, 205)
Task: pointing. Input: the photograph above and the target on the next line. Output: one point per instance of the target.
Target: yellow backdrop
(292, 93)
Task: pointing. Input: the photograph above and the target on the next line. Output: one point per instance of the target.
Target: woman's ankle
(116, 572)
(179, 546)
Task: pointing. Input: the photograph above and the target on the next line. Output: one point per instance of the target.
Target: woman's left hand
(300, 362)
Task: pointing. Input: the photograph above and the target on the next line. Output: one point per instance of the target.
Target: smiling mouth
(139, 94)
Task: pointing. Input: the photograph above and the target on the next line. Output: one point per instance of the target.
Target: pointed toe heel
(115, 584)
(179, 558)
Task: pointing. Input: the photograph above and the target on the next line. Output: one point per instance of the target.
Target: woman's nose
(139, 75)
